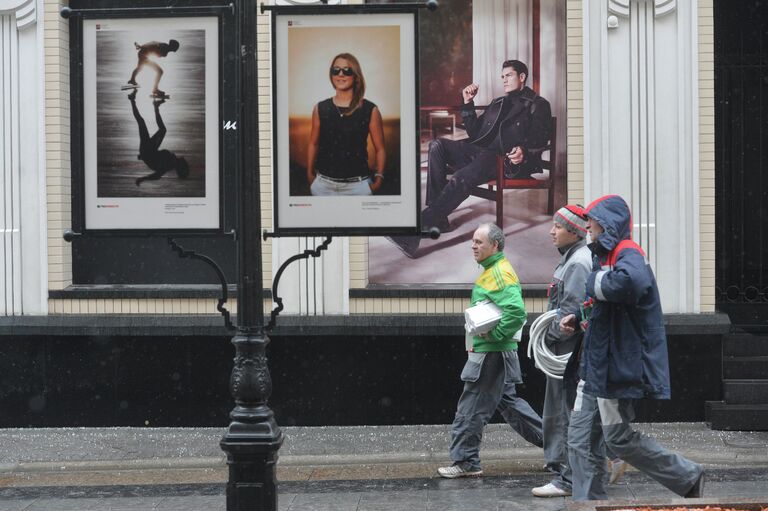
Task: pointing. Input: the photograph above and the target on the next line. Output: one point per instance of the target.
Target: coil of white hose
(550, 364)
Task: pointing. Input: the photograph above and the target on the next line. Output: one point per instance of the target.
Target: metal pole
(253, 437)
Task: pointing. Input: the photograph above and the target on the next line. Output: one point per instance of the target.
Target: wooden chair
(495, 192)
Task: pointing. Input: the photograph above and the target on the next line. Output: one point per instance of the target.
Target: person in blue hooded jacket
(623, 358)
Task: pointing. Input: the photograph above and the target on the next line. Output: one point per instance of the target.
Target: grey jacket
(566, 294)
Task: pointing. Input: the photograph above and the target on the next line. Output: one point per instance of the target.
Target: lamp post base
(253, 437)
(252, 483)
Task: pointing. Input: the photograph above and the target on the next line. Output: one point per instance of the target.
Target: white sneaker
(457, 470)
(549, 490)
(617, 467)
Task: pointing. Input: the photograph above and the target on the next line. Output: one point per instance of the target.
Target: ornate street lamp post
(253, 437)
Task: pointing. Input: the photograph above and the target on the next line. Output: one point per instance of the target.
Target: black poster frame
(228, 74)
(413, 228)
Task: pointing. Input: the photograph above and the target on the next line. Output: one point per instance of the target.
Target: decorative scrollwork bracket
(275, 298)
(183, 253)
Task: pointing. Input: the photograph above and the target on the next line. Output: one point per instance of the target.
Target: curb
(109, 465)
(523, 459)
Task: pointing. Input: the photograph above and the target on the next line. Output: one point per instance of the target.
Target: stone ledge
(340, 325)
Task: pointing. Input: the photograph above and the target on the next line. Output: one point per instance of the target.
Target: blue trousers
(323, 186)
(594, 418)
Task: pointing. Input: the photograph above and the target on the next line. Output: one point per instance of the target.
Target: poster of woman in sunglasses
(337, 155)
(345, 103)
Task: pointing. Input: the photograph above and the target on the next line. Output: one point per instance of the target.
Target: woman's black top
(343, 147)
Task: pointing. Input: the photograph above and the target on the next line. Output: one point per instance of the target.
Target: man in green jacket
(492, 366)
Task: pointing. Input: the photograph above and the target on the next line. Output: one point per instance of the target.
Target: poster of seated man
(498, 105)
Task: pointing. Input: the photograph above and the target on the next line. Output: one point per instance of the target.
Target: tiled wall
(140, 306)
(57, 129)
(706, 39)
(264, 63)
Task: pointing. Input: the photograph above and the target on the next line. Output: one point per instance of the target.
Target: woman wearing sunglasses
(338, 145)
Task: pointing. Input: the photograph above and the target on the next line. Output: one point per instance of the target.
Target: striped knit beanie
(572, 218)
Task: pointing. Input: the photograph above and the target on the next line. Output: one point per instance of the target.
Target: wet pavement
(335, 468)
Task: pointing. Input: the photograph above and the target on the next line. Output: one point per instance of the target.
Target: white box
(481, 317)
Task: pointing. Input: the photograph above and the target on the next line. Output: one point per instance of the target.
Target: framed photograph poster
(464, 43)
(345, 121)
(148, 156)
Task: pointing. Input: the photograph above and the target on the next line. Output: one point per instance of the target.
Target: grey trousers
(594, 418)
(555, 419)
(484, 385)
(520, 416)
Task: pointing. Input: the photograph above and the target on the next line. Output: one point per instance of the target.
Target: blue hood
(613, 215)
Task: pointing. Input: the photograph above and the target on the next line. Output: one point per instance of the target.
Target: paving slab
(492, 493)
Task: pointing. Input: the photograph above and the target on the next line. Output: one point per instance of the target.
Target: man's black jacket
(519, 119)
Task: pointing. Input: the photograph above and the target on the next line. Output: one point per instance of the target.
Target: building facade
(120, 331)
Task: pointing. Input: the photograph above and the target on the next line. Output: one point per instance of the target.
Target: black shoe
(444, 226)
(430, 219)
(697, 491)
(408, 245)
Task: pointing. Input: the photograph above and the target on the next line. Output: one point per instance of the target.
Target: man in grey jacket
(566, 293)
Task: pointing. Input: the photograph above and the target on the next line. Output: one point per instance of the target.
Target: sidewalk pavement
(330, 468)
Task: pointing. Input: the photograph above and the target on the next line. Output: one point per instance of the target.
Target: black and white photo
(150, 101)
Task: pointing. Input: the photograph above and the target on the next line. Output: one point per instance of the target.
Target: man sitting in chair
(516, 125)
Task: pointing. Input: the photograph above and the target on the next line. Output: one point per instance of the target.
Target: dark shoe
(408, 245)
(444, 226)
(430, 219)
(697, 491)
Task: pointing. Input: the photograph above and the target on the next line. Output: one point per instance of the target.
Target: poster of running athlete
(150, 107)
(345, 154)
(481, 53)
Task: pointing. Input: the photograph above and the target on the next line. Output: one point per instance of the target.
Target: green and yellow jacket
(499, 284)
